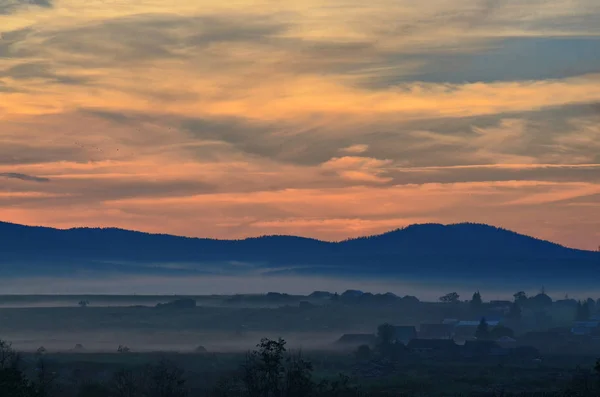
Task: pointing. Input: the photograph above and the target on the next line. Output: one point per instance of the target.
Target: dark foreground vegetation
(272, 371)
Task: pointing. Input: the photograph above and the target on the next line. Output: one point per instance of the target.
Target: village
(499, 329)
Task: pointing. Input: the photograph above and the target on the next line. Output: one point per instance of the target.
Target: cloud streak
(23, 177)
(11, 6)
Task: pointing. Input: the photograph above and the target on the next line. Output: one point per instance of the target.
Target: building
(467, 329)
(434, 347)
(451, 321)
(483, 348)
(355, 340)
(506, 342)
(436, 331)
(585, 328)
(545, 341)
(500, 306)
(405, 333)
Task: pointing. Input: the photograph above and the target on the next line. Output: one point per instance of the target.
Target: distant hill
(461, 251)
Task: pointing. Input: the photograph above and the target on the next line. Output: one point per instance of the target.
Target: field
(228, 327)
(217, 323)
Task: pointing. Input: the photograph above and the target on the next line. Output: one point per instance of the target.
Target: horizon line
(297, 236)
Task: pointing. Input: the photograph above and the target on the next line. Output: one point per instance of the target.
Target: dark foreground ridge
(433, 250)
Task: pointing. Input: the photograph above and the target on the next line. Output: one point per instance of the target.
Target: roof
(476, 323)
(405, 332)
(435, 330)
(506, 339)
(542, 336)
(581, 330)
(433, 344)
(500, 302)
(481, 344)
(450, 321)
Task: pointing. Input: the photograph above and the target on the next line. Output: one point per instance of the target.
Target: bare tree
(8, 357)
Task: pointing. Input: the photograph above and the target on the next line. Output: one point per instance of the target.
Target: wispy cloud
(23, 177)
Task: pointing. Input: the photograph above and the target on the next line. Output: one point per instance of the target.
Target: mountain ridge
(350, 239)
(455, 250)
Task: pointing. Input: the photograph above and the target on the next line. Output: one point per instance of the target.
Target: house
(500, 303)
(500, 306)
(185, 303)
(405, 333)
(585, 328)
(483, 348)
(467, 329)
(355, 340)
(306, 305)
(506, 342)
(451, 321)
(545, 341)
(436, 331)
(563, 331)
(433, 347)
(567, 303)
(525, 352)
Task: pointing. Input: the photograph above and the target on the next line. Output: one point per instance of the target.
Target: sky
(329, 119)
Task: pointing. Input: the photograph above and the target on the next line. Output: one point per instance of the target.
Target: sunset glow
(328, 119)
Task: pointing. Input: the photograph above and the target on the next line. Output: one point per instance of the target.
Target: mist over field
(428, 290)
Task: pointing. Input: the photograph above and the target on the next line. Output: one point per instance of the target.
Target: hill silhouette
(458, 250)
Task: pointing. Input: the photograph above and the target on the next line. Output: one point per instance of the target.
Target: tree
(476, 301)
(591, 304)
(13, 382)
(269, 373)
(482, 331)
(583, 311)
(501, 331)
(363, 353)
(452, 297)
(520, 297)
(539, 301)
(298, 377)
(515, 312)
(264, 370)
(386, 335)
